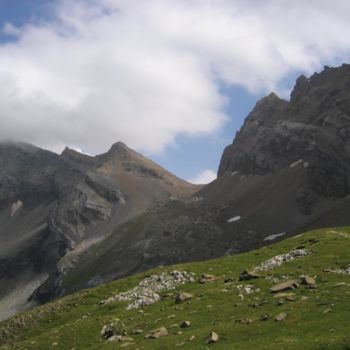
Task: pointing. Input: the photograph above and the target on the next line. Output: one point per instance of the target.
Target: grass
(320, 322)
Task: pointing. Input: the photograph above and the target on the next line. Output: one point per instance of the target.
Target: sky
(173, 79)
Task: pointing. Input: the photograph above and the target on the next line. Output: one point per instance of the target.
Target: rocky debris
(207, 278)
(183, 296)
(185, 324)
(284, 286)
(278, 260)
(212, 338)
(147, 291)
(192, 337)
(116, 328)
(340, 284)
(248, 275)
(120, 338)
(137, 331)
(246, 289)
(264, 317)
(308, 281)
(157, 333)
(343, 271)
(281, 317)
(284, 295)
(245, 321)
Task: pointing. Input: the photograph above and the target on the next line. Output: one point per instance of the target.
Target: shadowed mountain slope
(54, 206)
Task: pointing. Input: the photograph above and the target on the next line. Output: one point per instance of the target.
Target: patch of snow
(234, 219)
(306, 164)
(234, 173)
(272, 237)
(295, 163)
(15, 206)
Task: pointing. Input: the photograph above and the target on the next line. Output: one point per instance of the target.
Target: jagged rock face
(313, 127)
(53, 207)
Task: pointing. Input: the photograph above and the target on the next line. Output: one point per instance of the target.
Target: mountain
(287, 171)
(295, 296)
(54, 207)
(72, 221)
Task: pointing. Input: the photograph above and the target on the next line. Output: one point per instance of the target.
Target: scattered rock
(248, 275)
(284, 286)
(137, 331)
(284, 295)
(278, 260)
(264, 317)
(147, 291)
(340, 284)
(157, 333)
(185, 324)
(308, 281)
(304, 298)
(212, 338)
(183, 296)
(245, 321)
(280, 317)
(192, 337)
(207, 278)
(116, 328)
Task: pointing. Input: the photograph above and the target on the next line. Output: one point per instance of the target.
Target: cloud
(145, 72)
(204, 177)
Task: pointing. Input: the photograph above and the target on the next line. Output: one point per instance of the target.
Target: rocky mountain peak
(313, 127)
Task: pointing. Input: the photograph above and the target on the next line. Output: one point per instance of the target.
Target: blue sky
(173, 80)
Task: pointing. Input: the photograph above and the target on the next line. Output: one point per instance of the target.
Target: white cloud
(204, 177)
(144, 72)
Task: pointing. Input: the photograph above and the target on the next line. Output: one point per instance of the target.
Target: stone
(248, 275)
(192, 337)
(264, 317)
(147, 292)
(157, 333)
(280, 317)
(183, 296)
(284, 295)
(212, 338)
(207, 278)
(284, 286)
(245, 321)
(308, 281)
(185, 324)
(137, 331)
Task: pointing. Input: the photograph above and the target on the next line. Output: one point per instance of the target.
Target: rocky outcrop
(312, 128)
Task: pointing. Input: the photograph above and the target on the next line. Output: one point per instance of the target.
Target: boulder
(212, 338)
(183, 296)
(248, 275)
(284, 286)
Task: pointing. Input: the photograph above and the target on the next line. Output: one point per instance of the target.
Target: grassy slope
(306, 327)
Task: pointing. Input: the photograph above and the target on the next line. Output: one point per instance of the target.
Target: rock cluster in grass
(278, 260)
(147, 291)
